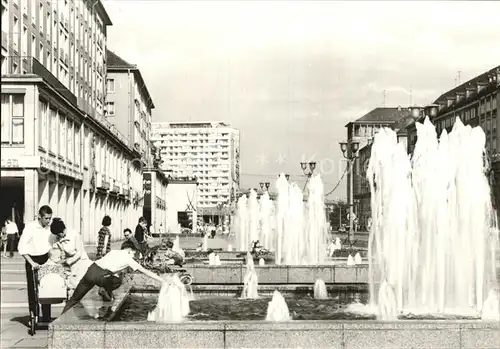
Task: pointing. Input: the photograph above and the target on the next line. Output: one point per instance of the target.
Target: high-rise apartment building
(209, 151)
(57, 147)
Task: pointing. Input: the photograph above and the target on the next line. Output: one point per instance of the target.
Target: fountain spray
(434, 234)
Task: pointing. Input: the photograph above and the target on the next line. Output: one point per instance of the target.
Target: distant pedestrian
(34, 245)
(12, 234)
(104, 238)
(141, 230)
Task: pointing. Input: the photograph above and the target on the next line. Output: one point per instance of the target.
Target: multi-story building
(128, 103)
(57, 148)
(209, 151)
(129, 109)
(155, 194)
(362, 131)
(476, 103)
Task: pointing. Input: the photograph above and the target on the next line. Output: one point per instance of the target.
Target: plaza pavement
(14, 305)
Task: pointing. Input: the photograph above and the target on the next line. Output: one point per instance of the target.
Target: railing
(30, 65)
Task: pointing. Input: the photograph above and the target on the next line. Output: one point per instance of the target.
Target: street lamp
(265, 185)
(350, 154)
(287, 176)
(308, 171)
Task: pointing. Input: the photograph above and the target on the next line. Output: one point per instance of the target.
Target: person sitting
(103, 273)
(174, 257)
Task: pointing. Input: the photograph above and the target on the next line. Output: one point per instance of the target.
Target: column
(85, 214)
(53, 193)
(70, 207)
(30, 195)
(77, 208)
(62, 202)
(43, 190)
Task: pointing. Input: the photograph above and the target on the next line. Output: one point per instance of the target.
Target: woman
(104, 238)
(74, 254)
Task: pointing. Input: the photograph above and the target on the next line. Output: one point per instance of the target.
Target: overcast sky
(290, 75)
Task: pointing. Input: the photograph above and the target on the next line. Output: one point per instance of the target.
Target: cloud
(290, 75)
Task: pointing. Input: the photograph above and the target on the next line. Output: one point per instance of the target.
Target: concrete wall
(178, 195)
(293, 334)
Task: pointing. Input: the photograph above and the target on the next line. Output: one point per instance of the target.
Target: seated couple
(106, 273)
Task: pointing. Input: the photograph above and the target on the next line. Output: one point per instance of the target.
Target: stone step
(14, 295)
(12, 275)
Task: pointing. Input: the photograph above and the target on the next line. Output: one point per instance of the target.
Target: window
(12, 124)
(110, 85)
(54, 130)
(110, 108)
(77, 145)
(62, 135)
(43, 122)
(70, 144)
(24, 42)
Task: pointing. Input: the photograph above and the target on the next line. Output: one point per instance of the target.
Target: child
(52, 276)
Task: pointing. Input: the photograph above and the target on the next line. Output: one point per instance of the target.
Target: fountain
(351, 261)
(357, 258)
(303, 224)
(277, 309)
(414, 254)
(250, 281)
(432, 249)
(205, 243)
(214, 259)
(173, 302)
(320, 291)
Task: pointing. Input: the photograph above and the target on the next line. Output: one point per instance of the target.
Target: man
(140, 230)
(12, 233)
(131, 238)
(103, 272)
(34, 245)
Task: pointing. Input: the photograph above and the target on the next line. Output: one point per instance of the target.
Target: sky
(291, 74)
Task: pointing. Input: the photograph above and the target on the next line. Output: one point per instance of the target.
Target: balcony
(33, 66)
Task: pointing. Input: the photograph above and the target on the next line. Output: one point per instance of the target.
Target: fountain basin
(275, 274)
(77, 329)
(210, 306)
(70, 333)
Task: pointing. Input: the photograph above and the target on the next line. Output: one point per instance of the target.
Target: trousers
(95, 276)
(32, 302)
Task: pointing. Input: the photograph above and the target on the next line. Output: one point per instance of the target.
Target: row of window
(12, 119)
(59, 134)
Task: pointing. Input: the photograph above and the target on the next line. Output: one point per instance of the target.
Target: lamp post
(350, 154)
(287, 176)
(219, 209)
(308, 171)
(265, 185)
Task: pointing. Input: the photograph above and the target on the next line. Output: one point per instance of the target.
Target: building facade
(476, 103)
(155, 199)
(57, 147)
(128, 103)
(207, 151)
(362, 131)
(181, 205)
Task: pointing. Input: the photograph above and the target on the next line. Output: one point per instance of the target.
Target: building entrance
(12, 200)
